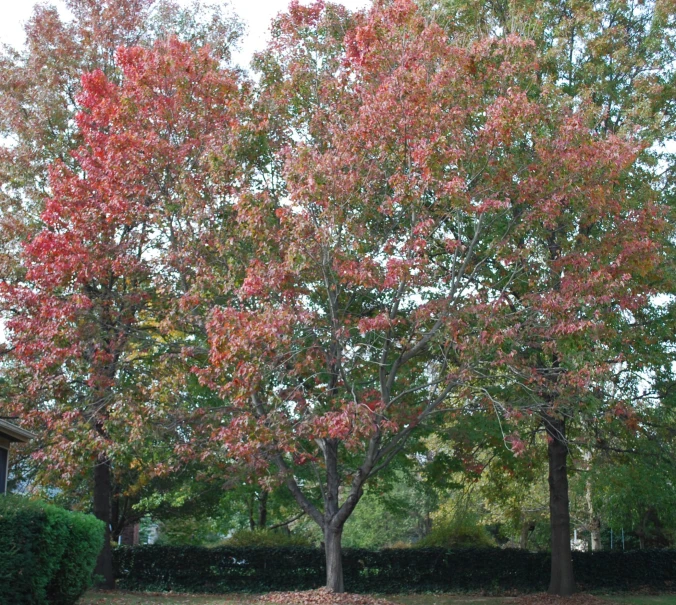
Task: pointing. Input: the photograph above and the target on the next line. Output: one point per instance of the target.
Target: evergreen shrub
(47, 554)
(259, 569)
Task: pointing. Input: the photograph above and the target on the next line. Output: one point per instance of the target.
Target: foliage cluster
(48, 553)
(266, 538)
(212, 570)
(463, 531)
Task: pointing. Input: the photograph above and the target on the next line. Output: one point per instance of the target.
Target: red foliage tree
(88, 323)
(39, 85)
(410, 181)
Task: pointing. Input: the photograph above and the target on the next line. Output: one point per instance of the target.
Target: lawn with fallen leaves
(324, 597)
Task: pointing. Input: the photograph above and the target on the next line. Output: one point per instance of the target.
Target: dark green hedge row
(258, 569)
(47, 554)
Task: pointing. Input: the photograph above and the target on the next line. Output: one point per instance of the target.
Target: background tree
(612, 55)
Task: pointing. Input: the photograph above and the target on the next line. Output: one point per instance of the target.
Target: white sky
(256, 14)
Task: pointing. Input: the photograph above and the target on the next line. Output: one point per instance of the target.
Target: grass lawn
(637, 599)
(116, 598)
(103, 598)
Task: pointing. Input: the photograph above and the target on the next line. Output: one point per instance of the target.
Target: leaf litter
(322, 596)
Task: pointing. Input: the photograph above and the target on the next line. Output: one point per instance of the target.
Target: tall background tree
(618, 58)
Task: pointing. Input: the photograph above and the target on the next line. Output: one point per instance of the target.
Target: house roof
(14, 433)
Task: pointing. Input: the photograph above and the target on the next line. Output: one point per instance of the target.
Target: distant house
(9, 433)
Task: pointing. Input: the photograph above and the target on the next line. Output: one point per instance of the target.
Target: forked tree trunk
(333, 519)
(562, 581)
(102, 510)
(334, 559)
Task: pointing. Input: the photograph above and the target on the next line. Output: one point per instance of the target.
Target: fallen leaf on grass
(321, 596)
(542, 598)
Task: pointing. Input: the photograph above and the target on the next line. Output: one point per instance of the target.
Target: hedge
(47, 554)
(259, 569)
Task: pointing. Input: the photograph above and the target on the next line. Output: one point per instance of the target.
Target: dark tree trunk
(334, 558)
(562, 581)
(252, 521)
(526, 528)
(102, 510)
(115, 520)
(263, 509)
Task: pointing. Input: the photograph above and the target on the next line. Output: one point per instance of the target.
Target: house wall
(4, 463)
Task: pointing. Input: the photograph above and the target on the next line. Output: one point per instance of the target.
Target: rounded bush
(48, 553)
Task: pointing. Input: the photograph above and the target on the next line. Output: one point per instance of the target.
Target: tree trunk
(116, 525)
(562, 581)
(596, 536)
(252, 521)
(526, 528)
(594, 521)
(102, 510)
(334, 558)
(335, 515)
(263, 509)
(642, 531)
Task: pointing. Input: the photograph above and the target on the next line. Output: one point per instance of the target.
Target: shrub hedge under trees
(47, 554)
(257, 569)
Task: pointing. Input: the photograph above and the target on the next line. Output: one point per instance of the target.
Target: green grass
(637, 599)
(127, 598)
(445, 599)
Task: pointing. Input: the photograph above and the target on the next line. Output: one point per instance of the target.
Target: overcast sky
(255, 13)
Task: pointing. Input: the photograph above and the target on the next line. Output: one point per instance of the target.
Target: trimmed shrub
(47, 554)
(83, 544)
(217, 570)
(257, 569)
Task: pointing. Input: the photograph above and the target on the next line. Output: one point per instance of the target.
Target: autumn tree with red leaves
(39, 85)
(410, 182)
(90, 321)
(395, 223)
